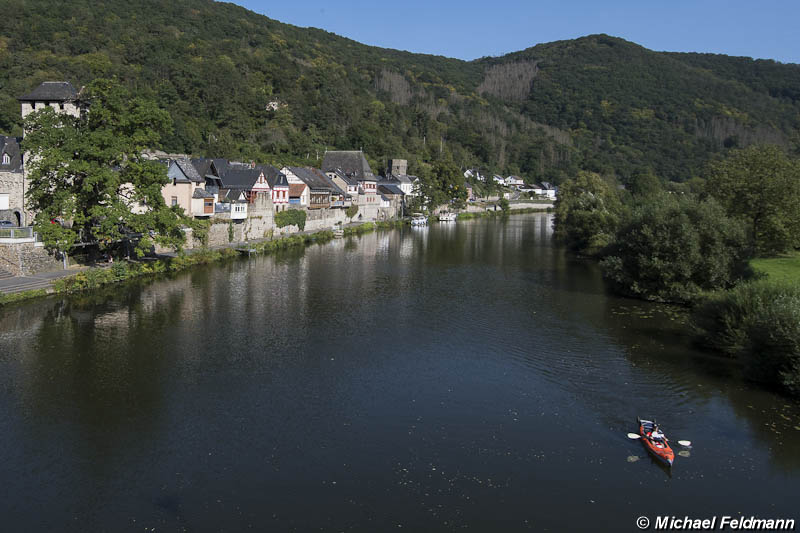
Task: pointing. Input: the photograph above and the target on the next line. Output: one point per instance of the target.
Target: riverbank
(100, 276)
(499, 212)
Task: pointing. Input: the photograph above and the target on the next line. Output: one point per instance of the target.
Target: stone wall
(27, 259)
(322, 219)
(12, 183)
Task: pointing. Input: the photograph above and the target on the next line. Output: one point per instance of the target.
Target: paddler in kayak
(656, 435)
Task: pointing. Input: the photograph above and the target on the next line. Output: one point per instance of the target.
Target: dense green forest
(241, 85)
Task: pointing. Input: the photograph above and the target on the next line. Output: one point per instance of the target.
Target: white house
(514, 181)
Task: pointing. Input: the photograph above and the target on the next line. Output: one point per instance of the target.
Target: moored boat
(657, 445)
(446, 216)
(418, 219)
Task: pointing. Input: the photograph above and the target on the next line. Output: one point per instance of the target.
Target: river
(468, 375)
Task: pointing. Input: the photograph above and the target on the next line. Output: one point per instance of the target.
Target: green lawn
(783, 268)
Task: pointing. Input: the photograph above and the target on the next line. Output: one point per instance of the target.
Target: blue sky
(468, 29)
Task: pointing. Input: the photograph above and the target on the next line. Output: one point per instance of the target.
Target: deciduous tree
(761, 185)
(88, 179)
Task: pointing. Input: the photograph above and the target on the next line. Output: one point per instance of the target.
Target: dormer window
(6, 159)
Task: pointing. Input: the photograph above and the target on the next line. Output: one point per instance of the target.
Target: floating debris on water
(685, 453)
(633, 458)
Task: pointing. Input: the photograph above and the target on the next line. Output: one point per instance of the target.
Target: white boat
(446, 216)
(418, 219)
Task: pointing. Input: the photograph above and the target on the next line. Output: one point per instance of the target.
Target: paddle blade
(685, 443)
(634, 436)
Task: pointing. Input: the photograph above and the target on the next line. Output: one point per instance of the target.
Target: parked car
(7, 224)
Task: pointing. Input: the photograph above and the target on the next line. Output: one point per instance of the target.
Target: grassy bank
(484, 214)
(782, 268)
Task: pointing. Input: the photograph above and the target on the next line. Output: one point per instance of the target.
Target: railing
(16, 233)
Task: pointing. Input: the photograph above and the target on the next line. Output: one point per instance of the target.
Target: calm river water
(459, 376)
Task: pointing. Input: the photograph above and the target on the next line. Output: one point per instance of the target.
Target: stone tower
(60, 95)
(398, 167)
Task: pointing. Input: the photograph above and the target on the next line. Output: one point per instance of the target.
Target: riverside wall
(27, 259)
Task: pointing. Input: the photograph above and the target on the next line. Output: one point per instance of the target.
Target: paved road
(29, 283)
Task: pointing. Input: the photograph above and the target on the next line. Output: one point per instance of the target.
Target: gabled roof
(188, 170)
(349, 180)
(275, 177)
(10, 146)
(402, 178)
(51, 91)
(203, 166)
(240, 178)
(314, 178)
(234, 195)
(296, 189)
(352, 163)
(390, 189)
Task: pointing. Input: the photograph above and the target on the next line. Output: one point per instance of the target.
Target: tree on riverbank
(88, 180)
(588, 212)
(761, 185)
(675, 247)
(444, 185)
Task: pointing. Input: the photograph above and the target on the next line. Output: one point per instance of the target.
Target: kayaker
(656, 433)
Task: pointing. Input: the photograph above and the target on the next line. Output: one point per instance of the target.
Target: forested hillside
(241, 85)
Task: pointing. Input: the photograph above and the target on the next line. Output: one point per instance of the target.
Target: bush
(674, 248)
(361, 228)
(759, 324)
(351, 211)
(291, 217)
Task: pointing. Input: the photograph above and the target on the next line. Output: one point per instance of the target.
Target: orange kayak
(659, 447)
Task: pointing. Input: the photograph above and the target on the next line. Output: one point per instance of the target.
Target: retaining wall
(27, 259)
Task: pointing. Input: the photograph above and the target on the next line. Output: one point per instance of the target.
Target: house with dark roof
(60, 95)
(346, 183)
(250, 181)
(279, 186)
(392, 196)
(319, 186)
(353, 163)
(207, 169)
(184, 181)
(12, 183)
(407, 184)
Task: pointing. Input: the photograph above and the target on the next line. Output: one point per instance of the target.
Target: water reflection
(429, 377)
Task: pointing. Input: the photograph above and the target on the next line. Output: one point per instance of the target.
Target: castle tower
(398, 167)
(60, 95)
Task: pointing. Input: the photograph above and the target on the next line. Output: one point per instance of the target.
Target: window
(4, 200)
(6, 159)
(174, 200)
